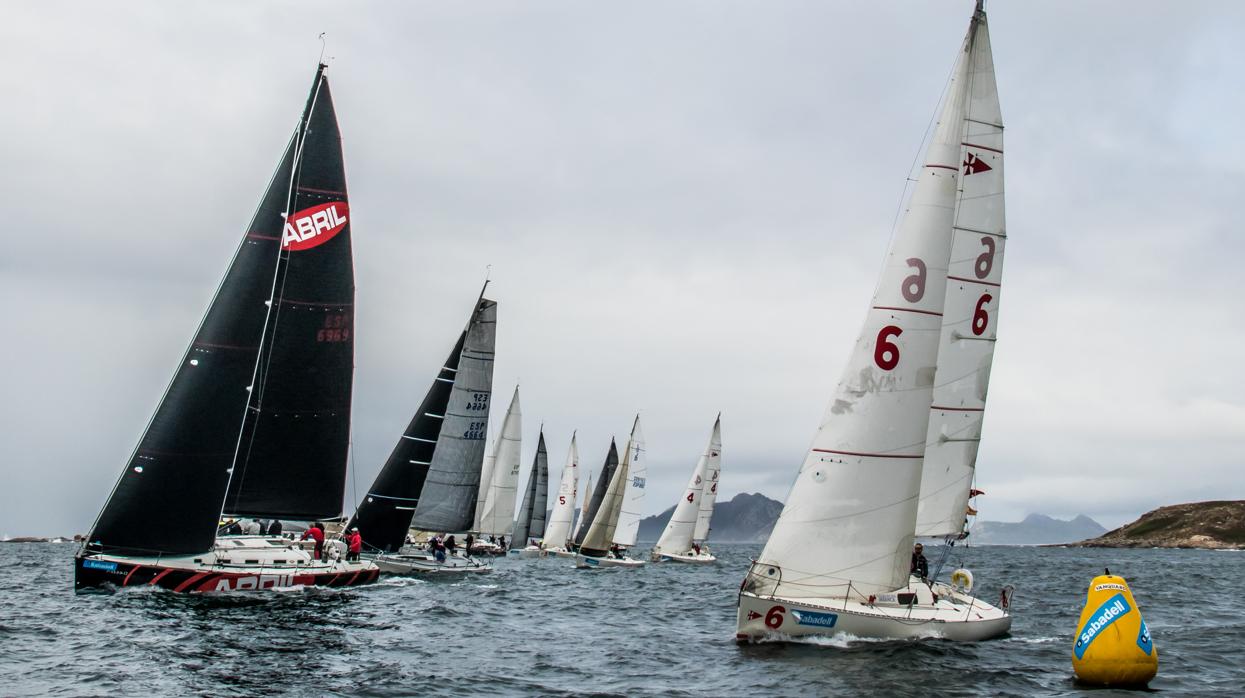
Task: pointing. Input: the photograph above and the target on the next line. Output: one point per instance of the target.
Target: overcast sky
(685, 206)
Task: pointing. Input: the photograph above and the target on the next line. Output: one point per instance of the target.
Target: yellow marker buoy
(1113, 646)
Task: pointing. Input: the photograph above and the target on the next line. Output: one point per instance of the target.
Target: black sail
(168, 498)
(598, 492)
(293, 451)
(446, 436)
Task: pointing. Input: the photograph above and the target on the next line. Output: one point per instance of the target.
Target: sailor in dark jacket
(919, 565)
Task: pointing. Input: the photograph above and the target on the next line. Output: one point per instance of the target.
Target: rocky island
(1209, 525)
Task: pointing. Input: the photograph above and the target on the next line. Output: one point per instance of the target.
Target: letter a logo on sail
(312, 227)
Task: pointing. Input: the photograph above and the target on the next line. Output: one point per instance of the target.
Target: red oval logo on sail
(314, 226)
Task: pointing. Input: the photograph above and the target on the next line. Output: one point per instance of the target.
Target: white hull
(589, 563)
(952, 615)
(702, 558)
(425, 563)
(557, 552)
(528, 552)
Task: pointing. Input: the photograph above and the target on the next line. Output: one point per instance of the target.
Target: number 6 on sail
(896, 452)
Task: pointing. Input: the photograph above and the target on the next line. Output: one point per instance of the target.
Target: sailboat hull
(702, 558)
(586, 562)
(419, 564)
(528, 552)
(184, 574)
(952, 616)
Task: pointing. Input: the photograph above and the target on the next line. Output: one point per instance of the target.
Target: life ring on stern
(962, 580)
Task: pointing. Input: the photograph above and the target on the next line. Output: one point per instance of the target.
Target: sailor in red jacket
(355, 541)
(316, 533)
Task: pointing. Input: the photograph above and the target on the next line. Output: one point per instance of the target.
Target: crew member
(920, 567)
(355, 543)
(316, 533)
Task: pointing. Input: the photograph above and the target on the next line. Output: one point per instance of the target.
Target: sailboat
(529, 528)
(495, 511)
(432, 475)
(615, 516)
(910, 401)
(558, 536)
(256, 420)
(686, 534)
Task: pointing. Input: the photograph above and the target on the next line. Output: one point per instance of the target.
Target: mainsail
(970, 318)
(559, 532)
(847, 525)
(713, 468)
(593, 510)
(274, 352)
(531, 521)
(497, 517)
(438, 457)
(685, 521)
(628, 527)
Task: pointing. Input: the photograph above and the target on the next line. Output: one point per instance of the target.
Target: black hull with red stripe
(96, 573)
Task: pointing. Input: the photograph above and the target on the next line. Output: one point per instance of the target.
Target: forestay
(970, 320)
(847, 525)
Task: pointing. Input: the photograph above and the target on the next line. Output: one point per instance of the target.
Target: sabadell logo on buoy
(314, 226)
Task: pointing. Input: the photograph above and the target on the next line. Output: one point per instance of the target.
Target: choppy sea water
(541, 627)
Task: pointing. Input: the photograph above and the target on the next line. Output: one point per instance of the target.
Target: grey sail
(531, 520)
(448, 499)
(539, 511)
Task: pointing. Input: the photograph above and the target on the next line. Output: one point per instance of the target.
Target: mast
(559, 532)
(713, 468)
(168, 498)
(847, 526)
(970, 321)
(441, 449)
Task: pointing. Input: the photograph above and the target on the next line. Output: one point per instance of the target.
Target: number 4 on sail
(901, 433)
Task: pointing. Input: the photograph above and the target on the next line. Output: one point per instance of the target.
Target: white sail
(559, 531)
(486, 483)
(583, 510)
(713, 468)
(847, 526)
(628, 528)
(498, 515)
(970, 318)
(677, 536)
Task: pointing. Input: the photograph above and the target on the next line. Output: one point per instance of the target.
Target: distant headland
(1208, 525)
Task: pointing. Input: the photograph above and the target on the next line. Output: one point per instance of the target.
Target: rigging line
(300, 139)
(913, 170)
